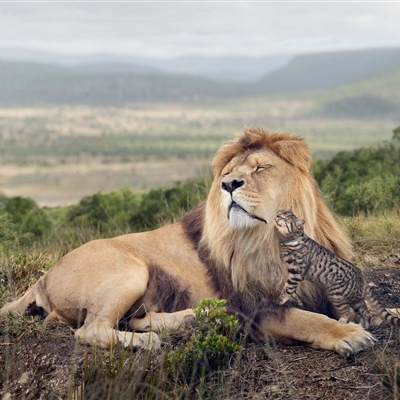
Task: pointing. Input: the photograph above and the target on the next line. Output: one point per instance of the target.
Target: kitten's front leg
(289, 290)
(293, 296)
(342, 308)
(283, 299)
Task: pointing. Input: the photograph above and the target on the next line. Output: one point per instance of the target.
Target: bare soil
(49, 364)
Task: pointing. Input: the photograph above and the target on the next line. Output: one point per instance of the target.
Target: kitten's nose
(231, 184)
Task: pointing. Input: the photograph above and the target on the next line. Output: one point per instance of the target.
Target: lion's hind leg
(108, 304)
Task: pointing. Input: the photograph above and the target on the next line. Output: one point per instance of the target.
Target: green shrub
(396, 135)
(31, 221)
(379, 193)
(361, 164)
(124, 209)
(210, 347)
(364, 180)
(159, 206)
(212, 317)
(8, 230)
(105, 211)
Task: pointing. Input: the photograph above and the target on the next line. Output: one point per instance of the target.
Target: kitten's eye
(262, 167)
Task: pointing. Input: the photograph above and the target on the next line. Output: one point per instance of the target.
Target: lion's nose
(232, 184)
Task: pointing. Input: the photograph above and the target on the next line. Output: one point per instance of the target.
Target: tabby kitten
(343, 282)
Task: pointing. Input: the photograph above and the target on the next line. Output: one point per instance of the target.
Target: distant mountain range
(33, 78)
(224, 68)
(33, 84)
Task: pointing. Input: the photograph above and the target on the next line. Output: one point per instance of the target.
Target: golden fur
(226, 247)
(290, 160)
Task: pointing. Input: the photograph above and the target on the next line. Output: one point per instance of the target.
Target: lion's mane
(245, 264)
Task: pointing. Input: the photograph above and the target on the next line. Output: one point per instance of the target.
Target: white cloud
(168, 29)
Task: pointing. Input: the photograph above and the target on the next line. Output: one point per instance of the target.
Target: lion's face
(252, 187)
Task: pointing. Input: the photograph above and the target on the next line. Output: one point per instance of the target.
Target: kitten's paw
(283, 299)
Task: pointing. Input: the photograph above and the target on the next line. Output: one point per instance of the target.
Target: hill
(361, 84)
(324, 70)
(32, 84)
(225, 69)
(375, 97)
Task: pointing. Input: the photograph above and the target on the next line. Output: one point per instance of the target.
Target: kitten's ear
(284, 210)
(300, 223)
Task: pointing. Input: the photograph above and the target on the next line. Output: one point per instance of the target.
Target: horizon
(55, 53)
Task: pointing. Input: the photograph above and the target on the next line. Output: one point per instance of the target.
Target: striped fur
(343, 282)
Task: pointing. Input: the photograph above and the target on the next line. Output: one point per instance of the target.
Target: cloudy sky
(165, 29)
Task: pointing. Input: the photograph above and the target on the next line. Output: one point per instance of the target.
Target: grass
(58, 366)
(376, 232)
(92, 373)
(389, 371)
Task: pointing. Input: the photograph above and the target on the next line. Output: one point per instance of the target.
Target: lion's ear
(294, 150)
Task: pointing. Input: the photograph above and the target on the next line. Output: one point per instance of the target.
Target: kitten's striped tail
(383, 313)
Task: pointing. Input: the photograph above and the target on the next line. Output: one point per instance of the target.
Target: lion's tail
(25, 305)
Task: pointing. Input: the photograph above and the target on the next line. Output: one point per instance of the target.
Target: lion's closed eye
(262, 167)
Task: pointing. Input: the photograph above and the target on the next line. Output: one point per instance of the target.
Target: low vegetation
(363, 181)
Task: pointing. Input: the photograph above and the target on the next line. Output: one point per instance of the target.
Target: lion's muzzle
(232, 183)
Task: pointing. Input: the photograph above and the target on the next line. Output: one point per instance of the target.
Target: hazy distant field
(57, 155)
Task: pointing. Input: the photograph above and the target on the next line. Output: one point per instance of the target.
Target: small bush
(165, 205)
(31, 221)
(8, 230)
(364, 180)
(379, 193)
(396, 135)
(105, 212)
(210, 348)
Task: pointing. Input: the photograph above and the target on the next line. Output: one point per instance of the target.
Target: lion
(224, 248)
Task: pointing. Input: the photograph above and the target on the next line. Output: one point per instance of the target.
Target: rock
(24, 378)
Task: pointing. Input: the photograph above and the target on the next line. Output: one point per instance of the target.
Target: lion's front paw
(352, 339)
